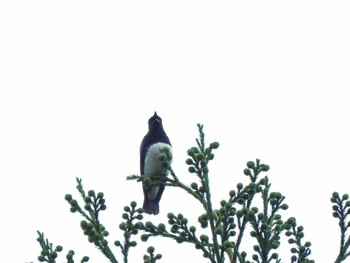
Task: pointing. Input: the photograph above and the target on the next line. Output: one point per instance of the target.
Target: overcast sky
(79, 81)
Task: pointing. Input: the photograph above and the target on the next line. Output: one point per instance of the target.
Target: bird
(151, 164)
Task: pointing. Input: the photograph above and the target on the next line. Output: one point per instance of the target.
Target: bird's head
(154, 122)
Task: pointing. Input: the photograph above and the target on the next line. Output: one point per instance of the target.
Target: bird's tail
(151, 206)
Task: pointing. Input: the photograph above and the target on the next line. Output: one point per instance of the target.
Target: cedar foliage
(250, 211)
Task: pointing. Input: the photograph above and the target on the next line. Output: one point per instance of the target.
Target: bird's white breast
(153, 165)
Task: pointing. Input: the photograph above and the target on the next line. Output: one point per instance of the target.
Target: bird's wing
(143, 149)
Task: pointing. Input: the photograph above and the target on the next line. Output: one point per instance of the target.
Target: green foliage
(94, 229)
(151, 258)
(227, 224)
(341, 209)
(49, 254)
(91, 225)
(130, 228)
(251, 211)
(301, 251)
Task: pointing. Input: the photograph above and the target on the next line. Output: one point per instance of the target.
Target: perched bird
(151, 165)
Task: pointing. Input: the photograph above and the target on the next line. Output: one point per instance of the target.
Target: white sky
(79, 80)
